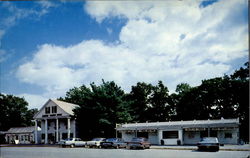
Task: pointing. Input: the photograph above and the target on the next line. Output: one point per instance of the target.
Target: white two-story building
(56, 121)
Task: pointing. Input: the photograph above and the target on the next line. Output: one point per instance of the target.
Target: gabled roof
(22, 129)
(177, 124)
(67, 107)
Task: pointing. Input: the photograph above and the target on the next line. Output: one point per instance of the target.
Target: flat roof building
(182, 132)
(21, 135)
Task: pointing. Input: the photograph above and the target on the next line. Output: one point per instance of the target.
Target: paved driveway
(54, 152)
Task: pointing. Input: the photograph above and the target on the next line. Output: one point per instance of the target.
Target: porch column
(135, 129)
(36, 131)
(68, 127)
(180, 135)
(208, 131)
(159, 133)
(57, 130)
(46, 131)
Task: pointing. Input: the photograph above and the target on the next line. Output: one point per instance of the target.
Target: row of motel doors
(174, 134)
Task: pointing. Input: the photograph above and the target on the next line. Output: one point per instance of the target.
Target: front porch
(55, 129)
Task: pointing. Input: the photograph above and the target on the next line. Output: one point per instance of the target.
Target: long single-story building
(182, 132)
(21, 135)
(56, 121)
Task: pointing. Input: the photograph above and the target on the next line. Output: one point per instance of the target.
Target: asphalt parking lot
(55, 152)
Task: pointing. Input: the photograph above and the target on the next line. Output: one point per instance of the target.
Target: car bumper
(135, 146)
(208, 147)
(107, 146)
(93, 145)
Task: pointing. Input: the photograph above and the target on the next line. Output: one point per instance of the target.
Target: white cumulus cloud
(35, 101)
(172, 41)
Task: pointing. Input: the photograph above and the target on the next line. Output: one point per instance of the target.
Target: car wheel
(72, 145)
(117, 147)
(217, 149)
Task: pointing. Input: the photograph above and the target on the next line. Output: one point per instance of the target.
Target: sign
(195, 129)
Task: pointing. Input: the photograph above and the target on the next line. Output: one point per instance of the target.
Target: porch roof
(180, 124)
(17, 130)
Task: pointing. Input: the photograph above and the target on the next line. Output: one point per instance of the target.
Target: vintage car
(95, 142)
(138, 142)
(72, 142)
(113, 143)
(208, 143)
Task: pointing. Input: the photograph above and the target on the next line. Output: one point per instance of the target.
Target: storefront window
(228, 135)
(142, 134)
(213, 133)
(170, 134)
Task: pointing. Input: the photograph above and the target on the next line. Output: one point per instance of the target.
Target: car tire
(72, 145)
(217, 149)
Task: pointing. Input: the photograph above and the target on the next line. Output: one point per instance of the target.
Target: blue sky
(48, 47)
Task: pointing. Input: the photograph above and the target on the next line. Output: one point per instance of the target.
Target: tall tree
(139, 98)
(101, 107)
(174, 100)
(14, 112)
(241, 96)
(160, 110)
(226, 97)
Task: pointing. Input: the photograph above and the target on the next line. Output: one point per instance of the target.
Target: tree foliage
(14, 112)
(220, 97)
(101, 107)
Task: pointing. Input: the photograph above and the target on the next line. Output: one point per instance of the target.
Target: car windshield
(69, 139)
(209, 139)
(111, 140)
(137, 139)
(97, 139)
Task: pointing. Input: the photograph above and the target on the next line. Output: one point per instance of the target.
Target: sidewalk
(29, 145)
(245, 147)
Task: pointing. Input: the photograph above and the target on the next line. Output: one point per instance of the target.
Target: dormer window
(54, 109)
(47, 110)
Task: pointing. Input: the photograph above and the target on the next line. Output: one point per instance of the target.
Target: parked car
(72, 142)
(95, 142)
(113, 143)
(139, 142)
(208, 143)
